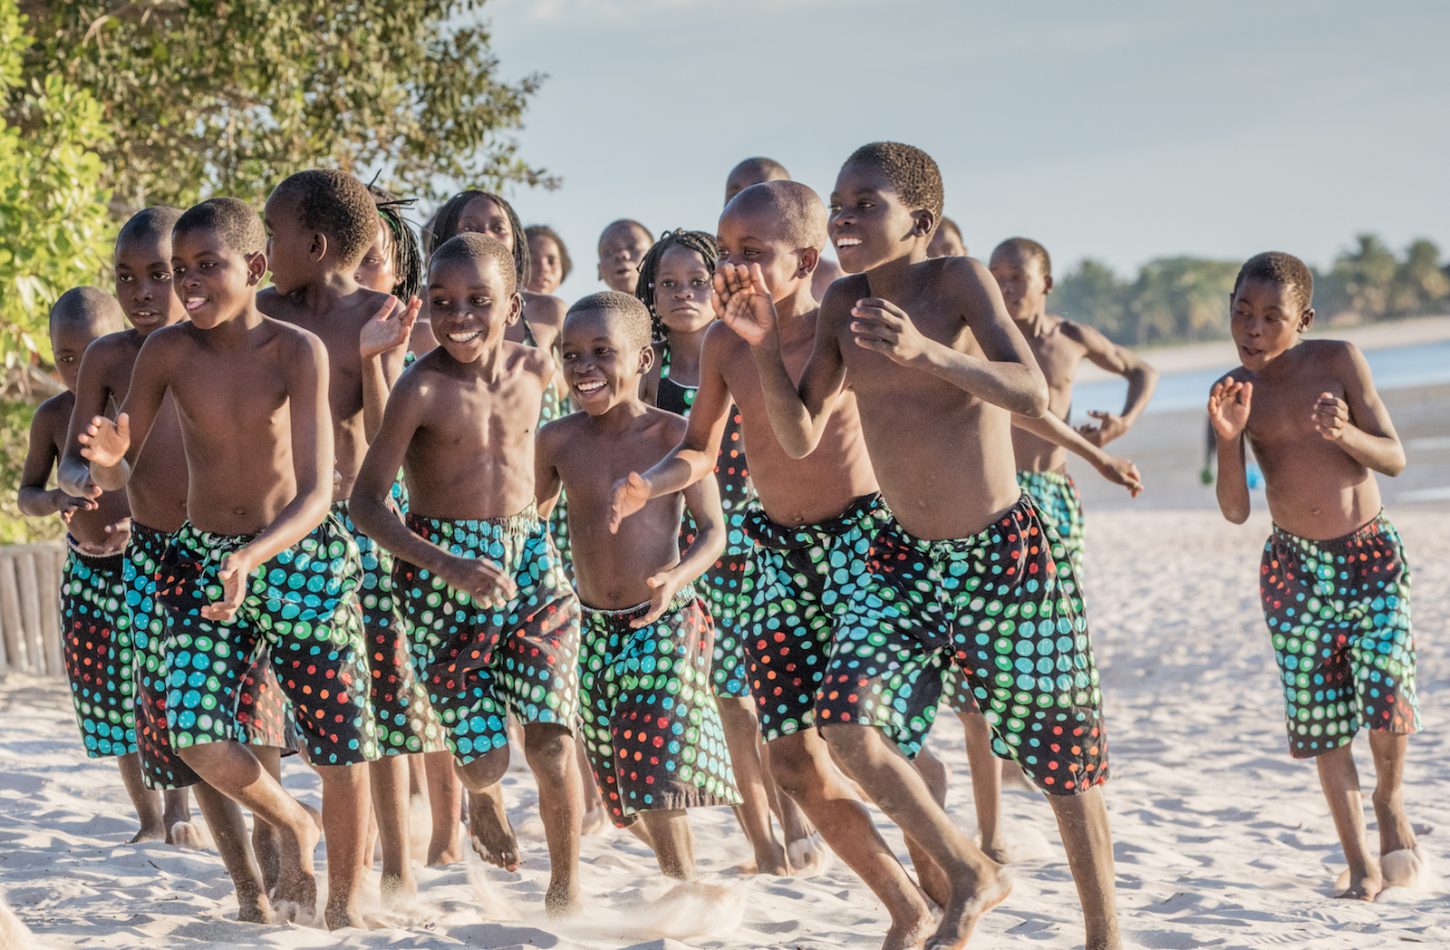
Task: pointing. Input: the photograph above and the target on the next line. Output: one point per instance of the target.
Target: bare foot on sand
(186, 834)
(450, 853)
(1402, 868)
(254, 907)
(807, 856)
(596, 820)
(490, 831)
(908, 935)
(562, 898)
(296, 881)
(148, 833)
(965, 908)
(1365, 886)
(397, 889)
(772, 860)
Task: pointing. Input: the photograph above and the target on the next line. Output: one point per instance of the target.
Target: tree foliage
(212, 96)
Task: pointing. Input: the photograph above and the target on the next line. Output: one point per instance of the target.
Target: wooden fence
(30, 609)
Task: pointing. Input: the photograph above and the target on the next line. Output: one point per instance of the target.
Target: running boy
(653, 732)
(319, 225)
(258, 560)
(812, 527)
(938, 367)
(493, 624)
(1334, 582)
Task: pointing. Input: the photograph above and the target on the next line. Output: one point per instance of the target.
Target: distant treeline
(1183, 299)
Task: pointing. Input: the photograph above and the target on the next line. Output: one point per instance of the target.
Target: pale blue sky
(1121, 131)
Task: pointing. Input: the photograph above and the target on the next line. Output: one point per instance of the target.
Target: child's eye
(161, 275)
(124, 278)
(570, 357)
(699, 282)
(439, 302)
(178, 271)
(479, 301)
(863, 205)
(834, 207)
(751, 252)
(602, 351)
(205, 265)
(667, 284)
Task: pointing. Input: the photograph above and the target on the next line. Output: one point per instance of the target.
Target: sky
(1123, 132)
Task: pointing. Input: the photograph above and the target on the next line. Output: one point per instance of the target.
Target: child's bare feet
(296, 881)
(448, 853)
(1365, 885)
(807, 856)
(148, 833)
(344, 914)
(595, 821)
(492, 835)
(562, 897)
(968, 904)
(186, 834)
(398, 888)
(771, 859)
(909, 934)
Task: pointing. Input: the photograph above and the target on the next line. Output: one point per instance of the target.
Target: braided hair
(697, 241)
(407, 258)
(445, 226)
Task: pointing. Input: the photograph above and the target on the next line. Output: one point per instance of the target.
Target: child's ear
(516, 308)
(926, 222)
(1306, 320)
(256, 268)
(1047, 285)
(810, 258)
(317, 250)
(646, 359)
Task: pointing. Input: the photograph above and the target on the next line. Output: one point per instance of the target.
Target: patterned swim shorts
(1060, 507)
(1339, 617)
(1003, 607)
(97, 648)
(649, 720)
(478, 662)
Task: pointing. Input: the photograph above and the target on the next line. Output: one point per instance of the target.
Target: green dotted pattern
(97, 648)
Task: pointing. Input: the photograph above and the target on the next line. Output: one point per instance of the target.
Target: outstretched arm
(1142, 380)
(1116, 470)
(382, 346)
(695, 456)
(1005, 375)
(798, 414)
(1229, 403)
(702, 500)
(1359, 422)
(111, 447)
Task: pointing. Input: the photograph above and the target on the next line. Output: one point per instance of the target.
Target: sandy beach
(1221, 839)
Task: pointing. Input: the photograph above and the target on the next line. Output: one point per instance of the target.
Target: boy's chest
(1057, 357)
(872, 371)
(228, 395)
(1285, 409)
(591, 466)
(485, 416)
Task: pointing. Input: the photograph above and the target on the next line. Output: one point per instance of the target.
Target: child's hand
(1122, 472)
(389, 328)
(664, 586)
(117, 534)
(67, 505)
(882, 326)
(236, 568)
(1107, 428)
(743, 302)
(1331, 415)
(104, 442)
(1228, 407)
(479, 578)
(630, 494)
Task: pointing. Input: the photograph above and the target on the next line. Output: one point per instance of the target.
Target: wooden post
(30, 632)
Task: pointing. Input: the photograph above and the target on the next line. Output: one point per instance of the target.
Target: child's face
(945, 243)
(143, 283)
(546, 265)
(1019, 276)
(68, 341)
(621, 248)
(289, 246)
(377, 271)
(213, 281)
(747, 238)
(1267, 318)
(470, 307)
(600, 366)
(870, 225)
(484, 216)
(682, 291)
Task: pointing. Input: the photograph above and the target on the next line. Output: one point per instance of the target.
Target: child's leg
(986, 783)
(1082, 820)
(550, 752)
(265, 839)
(669, 833)
(1340, 780)
(344, 821)
(229, 830)
(596, 816)
(803, 770)
(146, 802)
(175, 809)
(1396, 832)
(933, 879)
(488, 821)
(742, 736)
(388, 780)
(417, 777)
(445, 801)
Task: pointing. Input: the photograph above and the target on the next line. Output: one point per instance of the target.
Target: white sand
(1221, 839)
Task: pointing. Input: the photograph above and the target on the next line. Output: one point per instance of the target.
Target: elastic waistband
(148, 539)
(1376, 527)
(94, 560)
(771, 534)
(683, 598)
(192, 536)
(1021, 516)
(515, 526)
(1058, 479)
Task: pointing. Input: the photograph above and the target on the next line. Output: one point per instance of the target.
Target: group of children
(251, 576)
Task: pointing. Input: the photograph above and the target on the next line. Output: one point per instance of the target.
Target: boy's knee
(851, 745)
(795, 772)
(486, 770)
(548, 747)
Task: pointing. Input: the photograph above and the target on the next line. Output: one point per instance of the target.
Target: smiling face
(144, 283)
(378, 270)
(682, 291)
(214, 281)
(1020, 278)
(470, 307)
(870, 224)
(602, 366)
(621, 247)
(1267, 319)
(752, 236)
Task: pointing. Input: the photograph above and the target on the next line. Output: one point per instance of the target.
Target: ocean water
(1396, 367)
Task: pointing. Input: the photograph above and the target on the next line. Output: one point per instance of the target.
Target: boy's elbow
(1395, 464)
(1035, 402)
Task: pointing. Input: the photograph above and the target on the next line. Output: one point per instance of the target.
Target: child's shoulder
(663, 423)
(544, 308)
(1330, 351)
(526, 359)
(56, 407)
(123, 344)
(844, 292)
(364, 304)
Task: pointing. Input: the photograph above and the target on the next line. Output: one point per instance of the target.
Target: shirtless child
(1334, 582)
(937, 368)
(650, 723)
(251, 395)
(319, 225)
(622, 245)
(812, 526)
(754, 171)
(493, 624)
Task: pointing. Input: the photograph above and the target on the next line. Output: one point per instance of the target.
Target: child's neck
(791, 311)
(685, 347)
(892, 279)
(323, 294)
(235, 330)
(620, 416)
(1035, 324)
(490, 364)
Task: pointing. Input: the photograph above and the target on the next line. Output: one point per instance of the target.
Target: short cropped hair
(1029, 249)
(87, 307)
(698, 241)
(336, 204)
(1279, 268)
(544, 231)
(149, 224)
(631, 313)
(407, 258)
(913, 173)
(622, 223)
(768, 168)
(231, 219)
(796, 208)
(477, 249)
(444, 227)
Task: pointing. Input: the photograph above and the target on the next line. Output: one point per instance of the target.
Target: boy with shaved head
(758, 170)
